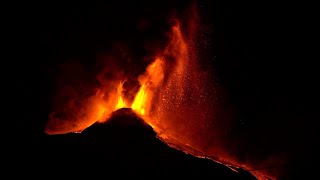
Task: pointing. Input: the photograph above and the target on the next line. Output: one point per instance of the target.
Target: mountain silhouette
(124, 146)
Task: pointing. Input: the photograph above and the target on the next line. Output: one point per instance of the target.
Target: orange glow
(120, 104)
(170, 98)
(101, 111)
(139, 102)
(150, 81)
(174, 98)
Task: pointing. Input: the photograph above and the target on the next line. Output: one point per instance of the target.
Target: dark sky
(253, 47)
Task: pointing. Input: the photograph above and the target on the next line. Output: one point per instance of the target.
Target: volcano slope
(124, 146)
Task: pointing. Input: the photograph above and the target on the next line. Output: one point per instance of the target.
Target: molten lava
(140, 101)
(174, 96)
(149, 80)
(120, 104)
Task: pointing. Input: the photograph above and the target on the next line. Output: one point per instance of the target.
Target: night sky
(251, 47)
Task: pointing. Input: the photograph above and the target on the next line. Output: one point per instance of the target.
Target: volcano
(123, 146)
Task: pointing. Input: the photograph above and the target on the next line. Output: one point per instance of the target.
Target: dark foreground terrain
(122, 147)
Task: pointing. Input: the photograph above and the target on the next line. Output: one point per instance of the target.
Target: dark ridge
(124, 146)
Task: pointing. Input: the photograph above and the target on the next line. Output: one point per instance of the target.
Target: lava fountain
(175, 95)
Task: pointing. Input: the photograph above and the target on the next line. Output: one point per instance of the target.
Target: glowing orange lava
(173, 98)
(140, 101)
(120, 104)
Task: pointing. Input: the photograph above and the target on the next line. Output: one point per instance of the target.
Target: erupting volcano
(170, 89)
(210, 89)
(171, 79)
